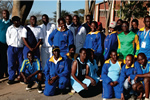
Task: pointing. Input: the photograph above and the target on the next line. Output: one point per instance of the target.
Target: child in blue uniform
(56, 73)
(61, 37)
(31, 71)
(128, 73)
(110, 76)
(144, 77)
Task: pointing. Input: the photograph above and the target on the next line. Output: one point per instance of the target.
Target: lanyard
(145, 35)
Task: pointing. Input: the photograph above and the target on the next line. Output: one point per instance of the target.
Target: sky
(49, 6)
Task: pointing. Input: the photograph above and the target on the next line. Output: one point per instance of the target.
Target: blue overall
(108, 90)
(62, 40)
(51, 70)
(14, 54)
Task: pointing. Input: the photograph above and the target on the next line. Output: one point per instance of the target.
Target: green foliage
(134, 9)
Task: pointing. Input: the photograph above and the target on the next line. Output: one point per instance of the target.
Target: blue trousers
(14, 54)
(110, 92)
(50, 89)
(26, 50)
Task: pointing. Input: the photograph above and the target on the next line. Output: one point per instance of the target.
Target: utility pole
(58, 12)
(120, 8)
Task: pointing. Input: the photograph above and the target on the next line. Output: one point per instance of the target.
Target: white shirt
(14, 36)
(37, 31)
(46, 31)
(79, 37)
(56, 61)
(68, 26)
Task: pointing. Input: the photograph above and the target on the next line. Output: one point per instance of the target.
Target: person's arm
(47, 70)
(99, 48)
(26, 44)
(71, 40)
(35, 73)
(73, 72)
(93, 82)
(37, 45)
(137, 45)
(83, 34)
(51, 36)
(104, 74)
(8, 36)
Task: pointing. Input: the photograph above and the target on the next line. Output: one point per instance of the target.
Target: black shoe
(39, 88)
(64, 91)
(29, 86)
(10, 82)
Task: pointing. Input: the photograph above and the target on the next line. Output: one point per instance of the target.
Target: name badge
(143, 44)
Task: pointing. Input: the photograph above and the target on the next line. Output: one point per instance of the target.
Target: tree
(63, 14)
(135, 9)
(5, 5)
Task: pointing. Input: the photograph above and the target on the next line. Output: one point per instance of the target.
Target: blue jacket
(51, 69)
(61, 39)
(105, 68)
(93, 41)
(110, 43)
(129, 71)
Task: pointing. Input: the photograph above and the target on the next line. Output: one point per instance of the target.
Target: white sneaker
(40, 91)
(27, 88)
(73, 91)
(104, 98)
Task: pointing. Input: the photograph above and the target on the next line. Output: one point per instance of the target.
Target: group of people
(70, 53)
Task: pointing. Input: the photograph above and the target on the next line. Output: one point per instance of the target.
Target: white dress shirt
(47, 30)
(14, 36)
(37, 31)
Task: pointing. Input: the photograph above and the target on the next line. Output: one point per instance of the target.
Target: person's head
(72, 49)
(33, 21)
(45, 19)
(90, 54)
(30, 56)
(119, 24)
(100, 27)
(94, 26)
(62, 23)
(125, 26)
(16, 21)
(129, 59)
(5, 14)
(89, 19)
(142, 59)
(112, 26)
(76, 20)
(82, 53)
(147, 22)
(68, 19)
(113, 55)
(134, 24)
(56, 51)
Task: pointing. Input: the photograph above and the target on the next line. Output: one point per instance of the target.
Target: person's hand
(129, 79)
(28, 78)
(136, 77)
(25, 80)
(122, 96)
(31, 49)
(50, 82)
(115, 83)
(93, 82)
(84, 86)
(111, 83)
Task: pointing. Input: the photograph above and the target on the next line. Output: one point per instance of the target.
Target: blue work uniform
(51, 69)
(29, 69)
(110, 43)
(62, 40)
(129, 71)
(144, 37)
(108, 90)
(93, 68)
(93, 41)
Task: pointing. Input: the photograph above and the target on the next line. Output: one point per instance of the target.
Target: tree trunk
(21, 9)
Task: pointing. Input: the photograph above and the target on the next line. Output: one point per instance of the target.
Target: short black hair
(141, 54)
(136, 21)
(15, 18)
(34, 17)
(69, 17)
(45, 16)
(77, 17)
(72, 46)
(95, 23)
(30, 52)
(120, 20)
(112, 51)
(91, 17)
(146, 17)
(126, 23)
(131, 56)
(6, 12)
(61, 19)
(82, 49)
